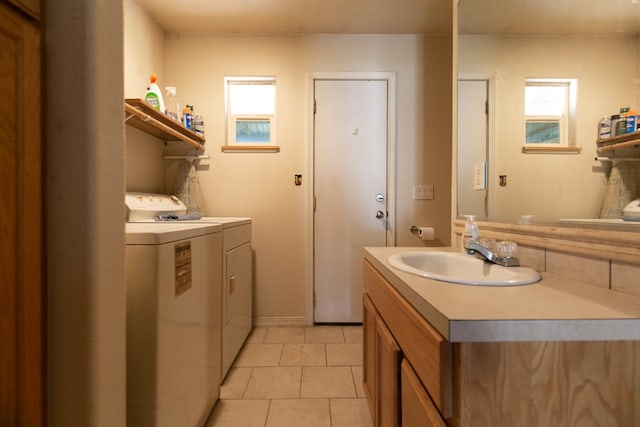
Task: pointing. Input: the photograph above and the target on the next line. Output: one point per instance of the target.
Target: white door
(350, 188)
(472, 148)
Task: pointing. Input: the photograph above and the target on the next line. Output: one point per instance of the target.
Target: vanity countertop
(554, 309)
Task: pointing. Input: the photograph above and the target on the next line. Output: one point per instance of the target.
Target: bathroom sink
(461, 268)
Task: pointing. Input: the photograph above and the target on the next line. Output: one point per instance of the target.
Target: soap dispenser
(471, 234)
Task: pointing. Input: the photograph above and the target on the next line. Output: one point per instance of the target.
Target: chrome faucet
(503, 255)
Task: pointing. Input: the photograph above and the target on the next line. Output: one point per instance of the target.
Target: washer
(237, 265)
(174, 323)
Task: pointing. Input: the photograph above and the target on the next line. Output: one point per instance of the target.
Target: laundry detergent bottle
(153, 96)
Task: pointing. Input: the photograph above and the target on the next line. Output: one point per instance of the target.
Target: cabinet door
(387, 377)
(417, 408)
(21, 277)
(369, 352)
(30, 7)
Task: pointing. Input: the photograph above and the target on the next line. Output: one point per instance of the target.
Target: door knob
(379, 214)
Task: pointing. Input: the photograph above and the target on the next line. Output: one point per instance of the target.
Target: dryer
(237, 287)
(173, 322)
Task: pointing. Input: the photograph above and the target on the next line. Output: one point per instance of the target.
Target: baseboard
(266, 322)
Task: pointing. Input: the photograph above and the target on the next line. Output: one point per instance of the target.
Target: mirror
(501, 44)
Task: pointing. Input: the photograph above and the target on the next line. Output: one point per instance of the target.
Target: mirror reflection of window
(549, 111)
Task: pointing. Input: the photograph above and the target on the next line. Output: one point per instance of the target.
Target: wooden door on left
(21, 220)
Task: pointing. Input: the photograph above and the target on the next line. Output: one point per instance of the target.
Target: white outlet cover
(479, 176)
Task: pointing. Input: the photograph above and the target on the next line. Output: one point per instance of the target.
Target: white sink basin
(460, 268)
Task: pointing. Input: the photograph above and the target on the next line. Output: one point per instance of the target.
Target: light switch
(423, 192)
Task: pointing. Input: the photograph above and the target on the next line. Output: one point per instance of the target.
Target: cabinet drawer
(428, 351)
(417, 408)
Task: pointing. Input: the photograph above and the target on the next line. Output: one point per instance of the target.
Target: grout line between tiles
(266, 418)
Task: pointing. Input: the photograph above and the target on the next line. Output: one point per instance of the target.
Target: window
(549, 113)
(250, 103)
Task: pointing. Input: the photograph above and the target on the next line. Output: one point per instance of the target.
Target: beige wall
(261, 185)
(85, 222)
(552, 186)
(143, 55)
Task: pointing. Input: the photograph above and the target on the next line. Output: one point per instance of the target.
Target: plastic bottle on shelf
(632, 120)
(615, 124)
(153, 96)
(198, 125)
(621, 126)
(604, 128)
(187, 117)
(171, 105)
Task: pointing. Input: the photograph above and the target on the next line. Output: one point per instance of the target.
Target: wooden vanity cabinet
(417, 408)
(380, 369)
(394, 335)
(478, 384)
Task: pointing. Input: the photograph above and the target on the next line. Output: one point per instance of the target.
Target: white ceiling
(557, 17)
(302, 16)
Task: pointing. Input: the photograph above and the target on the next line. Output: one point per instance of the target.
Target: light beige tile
(323, 335)
(256, 336)
(350, 413)
(352, 334)
(259, 355)
(235, 383)
(299, 413)
(625, 278)
(274, 383)
(585, 269)
(330, 381)
(357, 380)
(234, 413)
(344, 354)
(303, 355)
(285, 335)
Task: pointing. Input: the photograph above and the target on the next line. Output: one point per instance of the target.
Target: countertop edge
(544, 330)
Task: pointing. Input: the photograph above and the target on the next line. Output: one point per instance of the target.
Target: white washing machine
(236, 259)
(173, 322)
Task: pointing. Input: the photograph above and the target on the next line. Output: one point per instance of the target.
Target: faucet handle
(487, 243)
(506, 248)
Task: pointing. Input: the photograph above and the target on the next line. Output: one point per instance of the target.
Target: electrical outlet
(423, 192)
(479, 176)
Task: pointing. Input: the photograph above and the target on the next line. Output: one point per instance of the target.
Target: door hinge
(314, 203)
(486, 107)
(314, 106)
(314, 298)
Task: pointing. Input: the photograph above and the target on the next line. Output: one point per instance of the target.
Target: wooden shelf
(144, 117)
(626, 145)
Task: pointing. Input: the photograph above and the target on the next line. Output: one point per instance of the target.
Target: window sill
(250, 148)
(551, 150)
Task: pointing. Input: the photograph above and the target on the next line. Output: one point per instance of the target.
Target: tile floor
(295, 376)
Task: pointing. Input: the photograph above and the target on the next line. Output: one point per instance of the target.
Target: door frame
(490, 78)
(390, 78)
